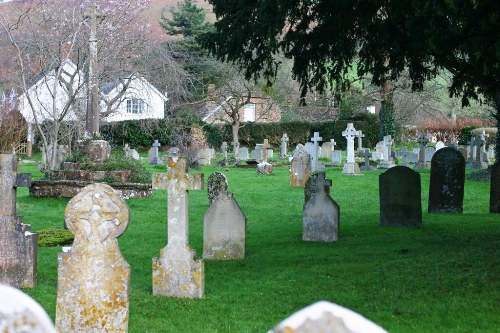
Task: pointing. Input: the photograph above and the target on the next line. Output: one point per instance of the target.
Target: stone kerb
(93, 276)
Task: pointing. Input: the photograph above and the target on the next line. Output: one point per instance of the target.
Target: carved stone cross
(284, 147)
(316, 139)
(265, 146)
(360, 139)
(224, 149)
(350, 133)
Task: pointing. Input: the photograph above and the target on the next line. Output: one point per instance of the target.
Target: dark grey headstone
(446, 189)
(320, 219)
(495, 188)
(400, 200)
(216, 184)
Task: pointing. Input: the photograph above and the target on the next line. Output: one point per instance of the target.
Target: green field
(441, 277)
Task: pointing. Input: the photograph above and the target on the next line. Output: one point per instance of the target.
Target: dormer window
(135, 106)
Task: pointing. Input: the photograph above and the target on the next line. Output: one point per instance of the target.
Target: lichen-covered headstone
(216, 184)
(495, 188)
(300, 167)
(176, 272)
(323, 317)
(446, 189)
(93, 276)
(19, 313)
(224, 229)
(18, 245)
(320, 218)
(400, 198)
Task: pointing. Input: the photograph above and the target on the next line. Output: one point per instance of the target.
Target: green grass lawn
(441, 277)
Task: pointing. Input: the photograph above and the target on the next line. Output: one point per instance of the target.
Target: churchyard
(440, 277)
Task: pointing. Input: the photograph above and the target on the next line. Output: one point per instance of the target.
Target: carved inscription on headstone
(216, 184)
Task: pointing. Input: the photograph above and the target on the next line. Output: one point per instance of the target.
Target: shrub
(54, 237)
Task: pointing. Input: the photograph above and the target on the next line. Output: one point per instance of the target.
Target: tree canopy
(383, 38)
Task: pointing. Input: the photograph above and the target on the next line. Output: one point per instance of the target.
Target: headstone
(495, 188)
(360, 137)
(18, 245)
(309, 147)
(216, 184)
(284, 146)
(380, 151)
(19, 313)
(332, 141)
(367, 156)
(479, 161)
(429, 153)
(258, 154)
(204, 156)
(388, 161)
(270, 153)
(337, 157)
(300, 167)
(320, 219)
(439, 145)
(326, 150)
(400, 198)
(446, 189)
(316, 139)
(154, 157)
(264, 168)
(491, 152)
(350, 167)
(464, 153)
(323, 317)
(98, 151)
(422, 163)
(471, 152)
(265, 147)
(131, 153)
(176, 273)
(93, 277)
(224, 229)
(243, 153)
(224, 150)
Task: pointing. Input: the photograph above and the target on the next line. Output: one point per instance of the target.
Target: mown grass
(441, 277)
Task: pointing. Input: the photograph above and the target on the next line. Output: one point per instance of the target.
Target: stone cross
(156, 145)
(176, 273)
(367, 156)
(350, 133)
(422, 141)
(265, 146)
(93, 284)
(360, 139)
(93, 110)
(236, 148)
(333, 144)
(284, 143)
(479, 143)
(224, 150)
(18, 259)
(316, 139)
(388, 142)
(404, 157)
(483, 137)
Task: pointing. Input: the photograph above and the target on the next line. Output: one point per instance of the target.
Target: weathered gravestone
(337, 157)
(360, 137)
(223, 148)
(176, 272)
(400, 198)
(367, 155)
(243, 154)
(284, 146)
(216, 184)
(19, 313)
(18, 246)
(446, 189)
(388, 161)
(258, 153)
(131, 153)
(326, 317)
(224, 229)
(300, 167)
(93, 277)
(326, 150)
(315, 164)
(320, 219)
(350, 167)
(429, 153)
(153, 155)
(495, 188)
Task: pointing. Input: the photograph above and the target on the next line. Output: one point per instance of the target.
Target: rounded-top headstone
(446, 189)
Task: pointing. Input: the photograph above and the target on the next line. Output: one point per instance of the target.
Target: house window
(135, 106)
(249, 112)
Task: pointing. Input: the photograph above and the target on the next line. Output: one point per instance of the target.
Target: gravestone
(153, 154)
(495, 188)
(320, 218)
(429, 153)
(337, 157)
(471, 152)
(131, 153)
(350, 167)
(224, 229)
(93, 277)
(300, 167)
(265, 147)
(257, 154)
(216, 184)
(264, 168)
(19, 313)
(326, 150)
(400, 198)
(463, 151)
(284, 146)
(422, 141)
(224, 150)
(446, 189)
(367, 156)
(326, 317)
(491, 152)
(439, 145)
(316, 139)
(479, 163)
(332, 141)
(18, 245)
(176, 272)
(204, 156)
(360, 137)
(309, 147)
(388, 161)
(243, 154)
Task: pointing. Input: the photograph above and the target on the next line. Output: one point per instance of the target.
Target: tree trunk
(386, 114)
(235, 126)
(497, 118)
